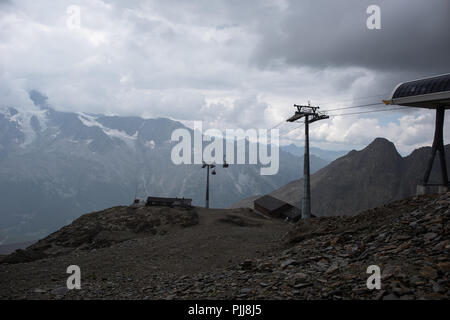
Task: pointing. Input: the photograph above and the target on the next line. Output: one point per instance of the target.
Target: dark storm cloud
(414, 36)
(225, 61)
(5, 5)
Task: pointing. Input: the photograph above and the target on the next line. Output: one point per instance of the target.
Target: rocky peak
(39, 99)
(382, 147)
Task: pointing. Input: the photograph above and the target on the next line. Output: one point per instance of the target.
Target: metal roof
(431, 92)
(161, 199)
(270, 203)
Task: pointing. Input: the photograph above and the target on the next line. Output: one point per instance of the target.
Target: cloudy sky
(229, 63)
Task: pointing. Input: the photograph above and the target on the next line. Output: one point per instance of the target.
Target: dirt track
(222, 237)
(236, 254)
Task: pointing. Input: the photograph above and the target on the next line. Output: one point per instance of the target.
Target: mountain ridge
(360, 180)
(328, 155)
(55, 166)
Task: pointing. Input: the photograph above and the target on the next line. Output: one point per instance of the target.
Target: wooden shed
(169, 202)
(276, 208)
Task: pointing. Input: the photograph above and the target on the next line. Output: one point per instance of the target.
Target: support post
(311, 115)
(438, 145)
(306, 201)
(212, 166)
(207, 187)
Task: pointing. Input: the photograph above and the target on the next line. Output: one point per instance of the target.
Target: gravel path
(236, 254)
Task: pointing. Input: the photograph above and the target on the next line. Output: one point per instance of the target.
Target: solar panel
(424, 86)
(429, 92)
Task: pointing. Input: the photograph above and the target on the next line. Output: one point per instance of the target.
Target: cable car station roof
(431, 92)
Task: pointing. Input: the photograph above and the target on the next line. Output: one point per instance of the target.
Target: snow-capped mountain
(55, 166)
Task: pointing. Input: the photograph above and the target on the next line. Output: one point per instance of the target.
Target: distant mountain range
(360, 180)
(327, 155)
(55, 166)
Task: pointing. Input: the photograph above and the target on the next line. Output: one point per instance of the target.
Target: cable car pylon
(311, 115)
(213, 172)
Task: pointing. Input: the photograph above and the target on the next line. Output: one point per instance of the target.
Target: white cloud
(409, 132)
(188, 60)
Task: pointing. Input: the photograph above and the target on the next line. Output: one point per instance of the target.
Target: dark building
(294, 214)
(169, 202)
(276, 208)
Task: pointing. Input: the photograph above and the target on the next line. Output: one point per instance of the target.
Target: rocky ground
(236, 254)
(105, 228)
